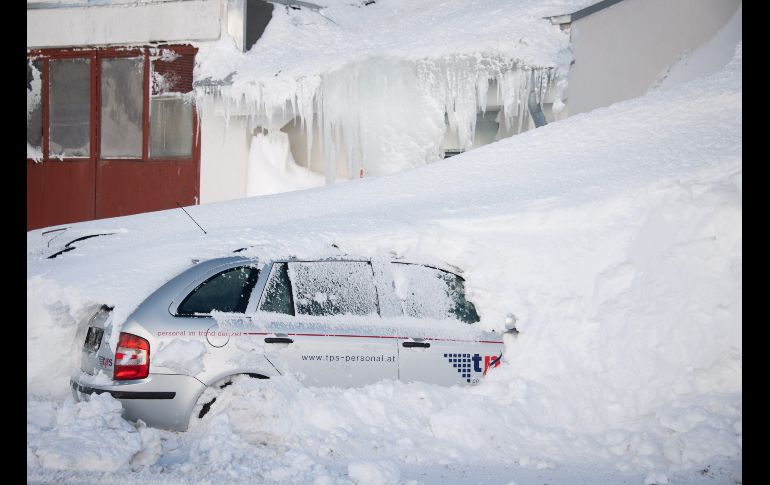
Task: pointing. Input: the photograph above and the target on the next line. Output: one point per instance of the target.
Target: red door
(134, 161)
(61, 189)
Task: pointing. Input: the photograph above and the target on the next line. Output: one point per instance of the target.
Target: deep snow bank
(614, 236)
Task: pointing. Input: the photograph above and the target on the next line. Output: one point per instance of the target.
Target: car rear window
(227, 291)
(427, 292)
(334, 288)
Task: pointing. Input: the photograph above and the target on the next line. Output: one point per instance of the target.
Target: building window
(170, 111)
(69, 119)
(137, 103)
(122, 91)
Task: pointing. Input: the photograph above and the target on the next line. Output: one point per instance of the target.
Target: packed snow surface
(614, 237)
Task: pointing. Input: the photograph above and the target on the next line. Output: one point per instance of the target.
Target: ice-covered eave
(460, 79)
(351, 109)
(350, 77)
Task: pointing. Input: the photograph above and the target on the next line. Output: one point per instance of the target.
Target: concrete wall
(224, 153)
(124, 23)
(621, 51)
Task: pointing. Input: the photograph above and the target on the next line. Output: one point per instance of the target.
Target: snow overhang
(317, 39)
(350, 75)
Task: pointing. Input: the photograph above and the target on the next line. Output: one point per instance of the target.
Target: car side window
(277, 295)
(227, 291)
(427, 292)
(334, 288)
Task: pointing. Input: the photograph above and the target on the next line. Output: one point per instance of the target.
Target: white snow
(271, 167)
(86, 436)
(615, 237)
(33, 101)
(53, 313)
(372, 84)
(34, 153)
(33, 94)
(370, 473)
(181, 356)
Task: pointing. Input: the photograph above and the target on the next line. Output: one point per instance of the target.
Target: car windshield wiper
(69, 247)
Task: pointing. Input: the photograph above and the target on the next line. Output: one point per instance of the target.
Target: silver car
(337, 322)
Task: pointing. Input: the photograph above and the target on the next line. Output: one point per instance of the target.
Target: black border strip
(123, 394)
(584, 12)
(592, 9)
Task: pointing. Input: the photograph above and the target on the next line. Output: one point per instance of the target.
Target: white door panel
(448, 362)
(341, 360)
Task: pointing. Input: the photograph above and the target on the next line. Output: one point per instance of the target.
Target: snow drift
(614, 237)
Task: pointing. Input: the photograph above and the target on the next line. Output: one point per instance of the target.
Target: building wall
(621, 51)
(121, 23)
(224, 153)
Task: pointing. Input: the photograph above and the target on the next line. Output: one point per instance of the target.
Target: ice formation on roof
(377, 86)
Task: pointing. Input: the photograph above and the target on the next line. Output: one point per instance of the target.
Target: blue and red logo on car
(464, 364)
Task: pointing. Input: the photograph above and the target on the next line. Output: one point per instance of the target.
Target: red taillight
(132, 359)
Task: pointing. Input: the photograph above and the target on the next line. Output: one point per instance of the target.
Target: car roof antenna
(191, 217)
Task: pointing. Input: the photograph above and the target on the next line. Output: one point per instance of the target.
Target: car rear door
(320, 321)
(442, 342)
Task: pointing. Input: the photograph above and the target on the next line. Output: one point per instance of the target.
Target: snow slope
(614, 236)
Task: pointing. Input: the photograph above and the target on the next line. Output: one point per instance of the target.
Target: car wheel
(209, 396)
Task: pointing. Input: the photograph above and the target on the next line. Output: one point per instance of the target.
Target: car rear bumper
(161, 400)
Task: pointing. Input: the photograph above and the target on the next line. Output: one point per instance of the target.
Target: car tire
(209, 396)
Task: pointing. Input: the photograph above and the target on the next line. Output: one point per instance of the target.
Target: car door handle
(278, 340)
(412, 343)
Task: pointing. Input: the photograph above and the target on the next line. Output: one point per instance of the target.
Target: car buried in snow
(329, 322)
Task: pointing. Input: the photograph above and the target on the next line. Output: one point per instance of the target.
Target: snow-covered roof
(308, 42)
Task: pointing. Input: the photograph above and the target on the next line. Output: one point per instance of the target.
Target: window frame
(95, 55)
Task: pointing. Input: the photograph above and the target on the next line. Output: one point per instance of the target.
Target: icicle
(389, 114)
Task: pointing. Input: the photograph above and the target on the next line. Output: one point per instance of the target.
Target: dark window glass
(462, 309)
(70, 112)
(334, 288)
(427, 292)
(35, 109)
(258, 15)
(277, 297)
(227, 291)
